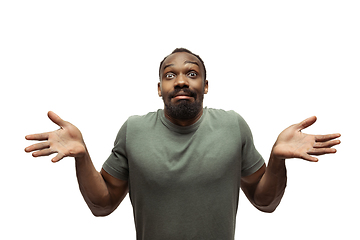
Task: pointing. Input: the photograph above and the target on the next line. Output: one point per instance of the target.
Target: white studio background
(95, 63)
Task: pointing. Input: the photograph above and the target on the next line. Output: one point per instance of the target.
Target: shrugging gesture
(66, 141)
(292, 143)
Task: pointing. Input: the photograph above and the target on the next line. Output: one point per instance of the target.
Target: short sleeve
(250, 157)
(117, 163)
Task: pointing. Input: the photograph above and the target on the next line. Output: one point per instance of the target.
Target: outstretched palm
(292, 143)
(66, 142)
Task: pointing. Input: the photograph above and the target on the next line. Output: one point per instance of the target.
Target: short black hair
(177, 50)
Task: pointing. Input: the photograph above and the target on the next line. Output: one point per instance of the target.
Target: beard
(183, 109)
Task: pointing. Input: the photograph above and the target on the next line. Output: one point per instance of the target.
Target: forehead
(179, 59)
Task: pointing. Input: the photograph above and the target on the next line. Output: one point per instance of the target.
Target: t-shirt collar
(179, 129)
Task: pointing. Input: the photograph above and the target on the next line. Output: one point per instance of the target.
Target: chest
(176, 160)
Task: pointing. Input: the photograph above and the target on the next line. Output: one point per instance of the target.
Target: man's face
(182, 86)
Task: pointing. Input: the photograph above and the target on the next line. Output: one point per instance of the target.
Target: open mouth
(183, 95)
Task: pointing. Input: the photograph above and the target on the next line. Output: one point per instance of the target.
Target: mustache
(187, 91)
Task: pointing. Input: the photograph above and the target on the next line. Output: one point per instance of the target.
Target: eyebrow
(170, 65)
(192, 62)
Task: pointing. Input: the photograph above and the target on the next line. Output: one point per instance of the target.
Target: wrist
(276, 163)
(82, 153)
(276, 153)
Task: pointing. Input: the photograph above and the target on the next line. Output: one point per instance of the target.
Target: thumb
(306, 123)
(56, 119)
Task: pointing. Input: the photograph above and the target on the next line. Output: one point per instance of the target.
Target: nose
(181, 81)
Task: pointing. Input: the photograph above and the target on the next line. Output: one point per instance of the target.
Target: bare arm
(266, 187)
(102, 192)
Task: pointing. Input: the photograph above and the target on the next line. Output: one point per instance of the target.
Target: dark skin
(103, 193)
(182, 70)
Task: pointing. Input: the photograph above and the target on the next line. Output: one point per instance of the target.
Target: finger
(321, 151)
(56, 119)
(38, 146)
(58, 157)
(309, 158)
(327, 144)
(38, 136)
(306, 123)
(324, 138)
(43, 152)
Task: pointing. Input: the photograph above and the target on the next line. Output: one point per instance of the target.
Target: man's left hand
(292, 143)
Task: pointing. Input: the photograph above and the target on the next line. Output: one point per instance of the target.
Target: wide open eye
(169, 75)
(192, 74)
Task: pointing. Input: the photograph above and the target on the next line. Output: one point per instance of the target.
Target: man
(183, 165)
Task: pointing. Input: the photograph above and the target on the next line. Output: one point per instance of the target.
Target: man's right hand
(66, 142)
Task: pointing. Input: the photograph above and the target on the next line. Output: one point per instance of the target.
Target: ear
(159, 89)
(206, 87)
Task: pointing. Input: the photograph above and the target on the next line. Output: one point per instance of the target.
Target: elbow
(266, 209)
(100, 208)
(268, 204)
(100, 212)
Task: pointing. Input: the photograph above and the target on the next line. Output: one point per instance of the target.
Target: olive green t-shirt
(184, 181)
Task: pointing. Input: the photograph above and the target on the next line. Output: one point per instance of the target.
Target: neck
(184, 122)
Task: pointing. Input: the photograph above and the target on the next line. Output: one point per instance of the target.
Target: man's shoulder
(223, 115)
(145, 121)
(226, 117)
(221, 111)
(145, 118)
